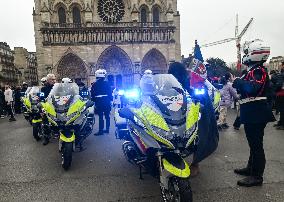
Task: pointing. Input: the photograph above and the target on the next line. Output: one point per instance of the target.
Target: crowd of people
(10, 100)
(256, 93)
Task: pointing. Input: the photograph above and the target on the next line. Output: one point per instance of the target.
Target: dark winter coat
(46, 90)
(207, 131)
(250, 87)
(102, 95)
(277, 81)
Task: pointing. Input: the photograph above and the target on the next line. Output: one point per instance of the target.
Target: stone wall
(48, 56)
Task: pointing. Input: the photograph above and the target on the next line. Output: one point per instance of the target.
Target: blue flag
(197, 52)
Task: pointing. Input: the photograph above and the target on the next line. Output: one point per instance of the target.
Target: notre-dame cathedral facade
(74, 38)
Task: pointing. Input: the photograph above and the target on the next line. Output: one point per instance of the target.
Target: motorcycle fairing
(217, 99)
(76, 107)
(150, 118)
(176, 165)
(36, 120)
(27, 103)
(67, 139)
(193, 115)
(142, 139)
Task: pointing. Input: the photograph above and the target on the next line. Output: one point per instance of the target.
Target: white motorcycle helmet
(255, 51)
(66, 80)
(148, 72)
(100, 73)
(44, 79)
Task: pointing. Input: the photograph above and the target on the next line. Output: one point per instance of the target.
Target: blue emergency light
(84, 93)
(132, 94)
(199, 91)
(121, 92)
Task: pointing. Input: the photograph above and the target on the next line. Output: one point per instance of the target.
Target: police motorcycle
(32, 111)
(71, 116)
(161, 131)
(26, 105)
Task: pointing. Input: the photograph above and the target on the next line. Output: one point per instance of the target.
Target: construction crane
(237, 38)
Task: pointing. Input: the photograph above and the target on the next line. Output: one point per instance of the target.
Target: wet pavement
(32, 172)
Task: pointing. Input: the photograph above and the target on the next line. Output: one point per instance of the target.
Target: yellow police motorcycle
(71, 116)
(161, 131)
(32, 112)
(26, 105)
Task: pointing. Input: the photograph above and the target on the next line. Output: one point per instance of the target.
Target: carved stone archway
(118, 64)
(155, 61)
(73, 67)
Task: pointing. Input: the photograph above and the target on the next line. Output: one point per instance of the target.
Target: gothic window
(76, 15)
(156, 15)
(143, 15)
(62, 15)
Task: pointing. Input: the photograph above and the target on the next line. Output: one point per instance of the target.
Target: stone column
(137, 73)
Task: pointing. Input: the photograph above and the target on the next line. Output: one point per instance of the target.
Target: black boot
(225, 126)
(106, 131)
(99, 133)
(243, 171)
(45, 141)
(12, 119)
(251, 181)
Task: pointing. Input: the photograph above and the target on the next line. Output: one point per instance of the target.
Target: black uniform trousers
(102, 114)
(10, 110)
(254, 134)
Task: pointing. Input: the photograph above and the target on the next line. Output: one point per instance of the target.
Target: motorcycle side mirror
(126, 113)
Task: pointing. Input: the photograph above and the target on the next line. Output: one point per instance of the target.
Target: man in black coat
(208, 133)
(102, 96)
(2, 103)
(255, 112)
(279, 102)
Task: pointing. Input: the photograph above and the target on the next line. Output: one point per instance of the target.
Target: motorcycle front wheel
(36, 131)
(67, 150)
(179, 190)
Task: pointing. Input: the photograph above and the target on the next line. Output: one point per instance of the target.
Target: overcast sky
(204, 20)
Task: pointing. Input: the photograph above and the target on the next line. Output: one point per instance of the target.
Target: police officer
(255, 112)
(102, 96)
(50, 81)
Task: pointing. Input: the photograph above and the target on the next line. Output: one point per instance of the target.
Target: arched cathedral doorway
(155, 61)
(73, 67)
(118, 65)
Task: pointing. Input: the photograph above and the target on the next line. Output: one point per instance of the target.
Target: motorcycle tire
(179, 190)
(67, 150)
(36, 128)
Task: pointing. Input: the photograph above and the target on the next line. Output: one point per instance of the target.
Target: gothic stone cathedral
(74, 38)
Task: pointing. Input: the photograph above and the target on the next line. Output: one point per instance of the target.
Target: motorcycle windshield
(168, 95)
(27, 91)
(63, 95)
(35, 90)
(33, 94)
(64, 89)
